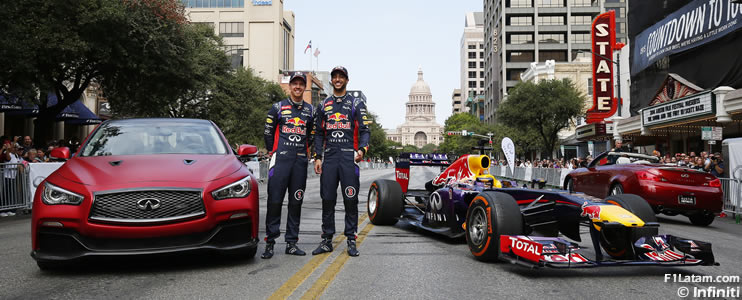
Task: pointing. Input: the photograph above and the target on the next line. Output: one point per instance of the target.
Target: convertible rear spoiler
(659, 250)
(405, 160)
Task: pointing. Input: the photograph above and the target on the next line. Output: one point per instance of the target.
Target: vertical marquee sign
(603, 43)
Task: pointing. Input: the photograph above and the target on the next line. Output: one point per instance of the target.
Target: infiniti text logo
(148, 204)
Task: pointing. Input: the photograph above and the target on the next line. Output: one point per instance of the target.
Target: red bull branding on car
(590, 211)
(456, 171)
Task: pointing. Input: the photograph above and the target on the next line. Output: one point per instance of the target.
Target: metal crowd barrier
(553, 177)
(732, 189)
(14, 189)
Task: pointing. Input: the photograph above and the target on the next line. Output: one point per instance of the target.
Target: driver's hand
(318, 166)
(359, 155)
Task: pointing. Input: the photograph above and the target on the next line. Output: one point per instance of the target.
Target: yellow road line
(329, 275)
(300, 276)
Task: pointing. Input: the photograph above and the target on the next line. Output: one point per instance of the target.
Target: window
(580, 38)
(548, 38)
(580, 20)
(520, 3)
(590, 86)
(236, 56)
(520, 56)
(472, 74)
(472, 55)
(210, 24)
(520, 38)
(550, 20)
(580, 3)
(520, 21)
(214, 3)
(481, 84)
(514, 74)
(232, 29)
(286, 49)
(472, 46)
(481, 54)
(552, 55)
(481, 46)
(621, 28)
(472, 84)
(472, 64)
(481, 74)
(481, 64)
(551, 3)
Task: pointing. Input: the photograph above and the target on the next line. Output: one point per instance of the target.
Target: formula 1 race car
(527, 226)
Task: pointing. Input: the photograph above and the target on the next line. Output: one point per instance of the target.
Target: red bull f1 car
(529, 227)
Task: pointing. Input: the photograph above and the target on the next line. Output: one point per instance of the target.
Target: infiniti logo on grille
(148, 204)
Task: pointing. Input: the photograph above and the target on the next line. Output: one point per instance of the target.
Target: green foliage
(542, 110)
(410, 148)
(429, 148)
(458, 144)
(239, 104)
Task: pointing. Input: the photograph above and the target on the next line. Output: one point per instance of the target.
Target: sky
(382, 43)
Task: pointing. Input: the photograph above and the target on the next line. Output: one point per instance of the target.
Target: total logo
(296, 121)
(294, 130)
(402, 175)
(521, 247)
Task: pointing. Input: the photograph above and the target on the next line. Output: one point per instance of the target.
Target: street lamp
(618, 77)
(232, 55)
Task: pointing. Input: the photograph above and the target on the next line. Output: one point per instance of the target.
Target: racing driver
(341, 141)
(288, 136)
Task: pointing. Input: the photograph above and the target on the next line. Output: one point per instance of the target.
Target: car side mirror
(247, 150)
(62, 153)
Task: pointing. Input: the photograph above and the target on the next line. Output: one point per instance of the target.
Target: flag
(316, 52)
(309, 46)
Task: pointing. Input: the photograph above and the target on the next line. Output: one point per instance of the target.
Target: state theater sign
(603, 44)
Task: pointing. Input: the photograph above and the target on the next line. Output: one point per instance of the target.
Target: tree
(239, 104)
(429, 148)
(458, 144)
(546, 108)
(139, 50)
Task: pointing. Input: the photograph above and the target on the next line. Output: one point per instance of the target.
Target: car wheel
(616, 189)
(570, 185)
(615, 241)
(385, 202)
(702, 219)
(490, 215)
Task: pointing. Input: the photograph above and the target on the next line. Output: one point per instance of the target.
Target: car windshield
(134, 138)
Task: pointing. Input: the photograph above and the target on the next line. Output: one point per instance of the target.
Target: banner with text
(695, 24)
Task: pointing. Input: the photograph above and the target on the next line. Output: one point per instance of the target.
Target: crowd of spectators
(23, 149)
(707, 162)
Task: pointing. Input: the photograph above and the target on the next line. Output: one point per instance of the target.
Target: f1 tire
(385, 202)
(615, 242)
(490, 215)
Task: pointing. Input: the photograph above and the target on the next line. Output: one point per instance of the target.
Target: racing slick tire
(702, 219)
(385, 202)
(616, 242)
(495, 210)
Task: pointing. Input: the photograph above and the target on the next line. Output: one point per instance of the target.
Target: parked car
(670, 190)
(146, 186)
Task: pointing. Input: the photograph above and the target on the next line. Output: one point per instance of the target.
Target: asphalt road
(395, 262)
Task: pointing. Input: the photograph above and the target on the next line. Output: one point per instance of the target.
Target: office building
(472, 55)
(456, 105)
(260, 34)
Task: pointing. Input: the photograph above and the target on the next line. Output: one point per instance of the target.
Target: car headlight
(237, 189)
(54, 195)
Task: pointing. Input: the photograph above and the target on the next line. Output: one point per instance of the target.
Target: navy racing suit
(288, 135)
(342, 129)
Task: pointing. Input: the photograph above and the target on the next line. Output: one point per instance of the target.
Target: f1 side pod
(658, 250)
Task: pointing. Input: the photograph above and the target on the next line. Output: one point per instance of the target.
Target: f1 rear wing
(405, 160)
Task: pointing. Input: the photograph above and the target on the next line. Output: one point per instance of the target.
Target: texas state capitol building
(419, 128)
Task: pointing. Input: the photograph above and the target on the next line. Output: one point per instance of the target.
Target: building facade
(420, 127)
(456, 105)
(253, 32)
(314, 92)
(519, 32)
(472, 55)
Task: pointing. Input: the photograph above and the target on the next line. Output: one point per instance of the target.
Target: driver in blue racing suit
(288, 135)
(340, 142)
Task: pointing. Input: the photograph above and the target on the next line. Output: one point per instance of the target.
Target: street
(395, 262)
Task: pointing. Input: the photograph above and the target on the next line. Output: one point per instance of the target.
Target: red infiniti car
(669, 190)
(146, 186)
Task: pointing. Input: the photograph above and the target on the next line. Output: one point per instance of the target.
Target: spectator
(27, 143)
(716, 166)
(31, 155)
(41, 156)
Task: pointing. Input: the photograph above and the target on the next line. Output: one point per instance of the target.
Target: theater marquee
(603, 43)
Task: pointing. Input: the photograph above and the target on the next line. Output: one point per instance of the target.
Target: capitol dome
(420, 87)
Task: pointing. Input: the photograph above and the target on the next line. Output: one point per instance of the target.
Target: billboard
(603, 44)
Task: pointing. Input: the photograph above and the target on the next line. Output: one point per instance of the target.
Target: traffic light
(463, 132)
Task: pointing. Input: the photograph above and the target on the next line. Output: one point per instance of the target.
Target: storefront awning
(9, 104)
(84, 115)
(76, 113)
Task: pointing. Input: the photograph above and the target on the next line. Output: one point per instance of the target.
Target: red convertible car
(146, 186)
(669, 190)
